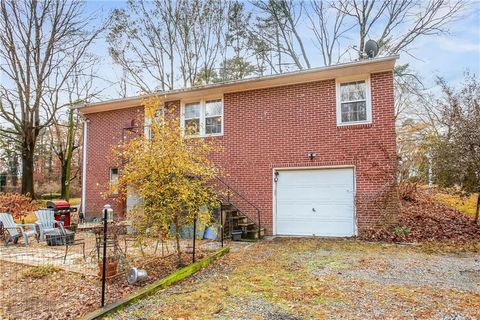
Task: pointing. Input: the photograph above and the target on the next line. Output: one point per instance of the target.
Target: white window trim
(202, 102)
(368, 100)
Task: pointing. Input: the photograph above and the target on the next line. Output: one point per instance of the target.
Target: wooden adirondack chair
(16, 230)
(45, 222)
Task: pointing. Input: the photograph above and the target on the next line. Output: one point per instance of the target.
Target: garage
(316, 202)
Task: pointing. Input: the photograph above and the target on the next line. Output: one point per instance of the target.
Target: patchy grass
(30, 218)
(317, 279)
(39, 272)
(42, 203)
(467, 205)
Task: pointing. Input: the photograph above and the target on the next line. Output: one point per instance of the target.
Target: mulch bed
(66, 295)
(423, 219)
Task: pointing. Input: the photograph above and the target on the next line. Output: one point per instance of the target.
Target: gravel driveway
(323, 279)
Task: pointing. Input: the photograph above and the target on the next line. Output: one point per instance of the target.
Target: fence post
(106, 210)
(194, 236)
(221, 225)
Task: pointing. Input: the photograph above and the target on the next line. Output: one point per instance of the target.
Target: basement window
(114, 180)
(203, 118)
(354, 102)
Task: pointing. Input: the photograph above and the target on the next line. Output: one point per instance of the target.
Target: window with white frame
(353, 102)
(157, 118)
(213, 117)
(203, 118)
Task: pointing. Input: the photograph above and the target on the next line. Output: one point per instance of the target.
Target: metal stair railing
(239, 202)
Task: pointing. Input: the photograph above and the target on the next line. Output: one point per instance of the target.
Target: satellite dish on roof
(371, 48)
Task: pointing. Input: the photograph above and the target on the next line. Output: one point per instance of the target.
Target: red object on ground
(62, 211)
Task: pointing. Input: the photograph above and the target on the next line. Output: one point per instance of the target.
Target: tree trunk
(63, 180)
(68, 156)
(28, 150)
(477, 213)
(14, 171)
(362, 41)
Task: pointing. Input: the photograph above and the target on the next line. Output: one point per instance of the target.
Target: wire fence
(58, 272)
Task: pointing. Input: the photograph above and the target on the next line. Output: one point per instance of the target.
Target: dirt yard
(35, 283)
(317, 279)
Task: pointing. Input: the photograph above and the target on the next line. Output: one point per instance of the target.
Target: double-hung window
(203, 117)
(192, 117)
(213, 117)
(353, 102)
(156, 118)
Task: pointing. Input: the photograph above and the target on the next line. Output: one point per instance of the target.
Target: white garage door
(315, 202)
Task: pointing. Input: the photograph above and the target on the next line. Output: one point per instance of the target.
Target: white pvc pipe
(84, 167)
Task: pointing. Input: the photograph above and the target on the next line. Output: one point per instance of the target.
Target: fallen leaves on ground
(46, 292)
(318, 279)
(424, 219)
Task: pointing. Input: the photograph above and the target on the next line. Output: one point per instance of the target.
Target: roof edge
(263, 81)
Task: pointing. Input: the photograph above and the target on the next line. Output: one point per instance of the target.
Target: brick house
(314, 151)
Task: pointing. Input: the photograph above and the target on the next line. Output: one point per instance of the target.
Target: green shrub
(402, 230)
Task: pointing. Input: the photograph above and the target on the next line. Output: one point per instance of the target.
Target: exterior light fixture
(311, 156)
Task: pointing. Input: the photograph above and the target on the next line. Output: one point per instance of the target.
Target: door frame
(274, 192)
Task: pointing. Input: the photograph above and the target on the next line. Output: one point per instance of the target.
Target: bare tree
(201, 37)
(41, 42)
(65, 130)
(396, 24)
(328, 34)
(141, 41)
(277, 25)
(162, 42)
(456, 149)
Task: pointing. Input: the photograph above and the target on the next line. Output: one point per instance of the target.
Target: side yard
(318, 278)
(36, 283)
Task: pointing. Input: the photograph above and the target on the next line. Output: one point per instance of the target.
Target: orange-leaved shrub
(16, 204)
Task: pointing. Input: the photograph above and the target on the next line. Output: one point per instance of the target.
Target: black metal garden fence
(73, 269)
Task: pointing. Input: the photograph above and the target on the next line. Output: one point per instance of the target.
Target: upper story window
(203, 117)
(213, 116)
(157, 118)
(353, 102)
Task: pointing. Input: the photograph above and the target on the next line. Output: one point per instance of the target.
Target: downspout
(84, 167)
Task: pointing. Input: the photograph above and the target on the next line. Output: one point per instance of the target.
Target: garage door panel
(326, 206)
(315, 202)
(328, 228)
(321, 211)
(314, 193)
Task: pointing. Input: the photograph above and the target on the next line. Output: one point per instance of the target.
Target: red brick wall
(277, 127)
(105, 131)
